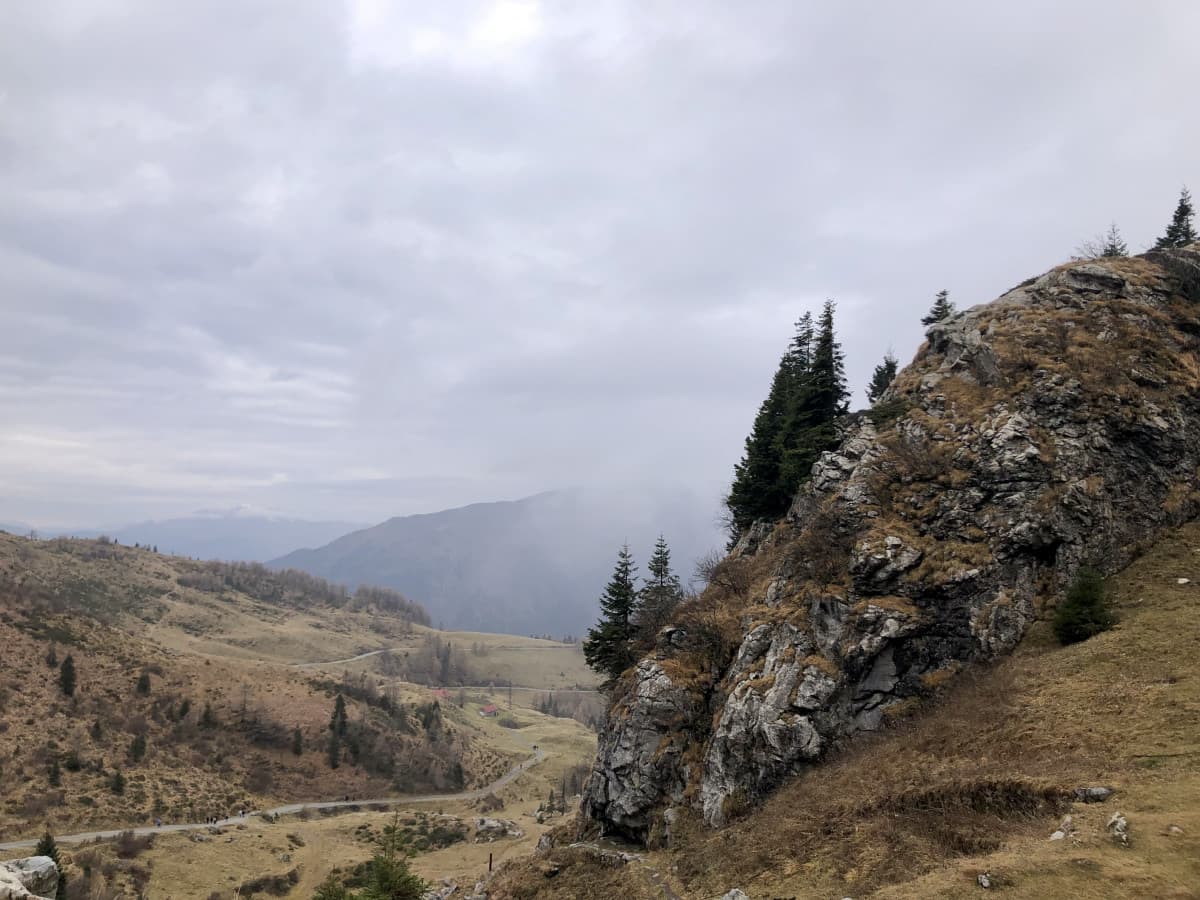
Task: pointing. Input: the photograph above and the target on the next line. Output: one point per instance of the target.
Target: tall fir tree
(1113, 244)
(1180, 232)
(795, 424)
(660, 593)
(882, 378)
(943, 308)
(46, 846)
(609, 645)
(66, 676)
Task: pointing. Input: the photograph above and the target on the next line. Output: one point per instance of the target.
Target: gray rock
(1118, 829)
(489, 830)
(735, 894)
(984, 880)
(31, 878)
(920, 546)
(1093, 794)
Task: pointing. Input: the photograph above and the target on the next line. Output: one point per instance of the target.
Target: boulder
(488, 830)
(30, 878)
(1093, 794)
(1118, 829)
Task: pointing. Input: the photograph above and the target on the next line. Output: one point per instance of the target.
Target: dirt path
(290, 808)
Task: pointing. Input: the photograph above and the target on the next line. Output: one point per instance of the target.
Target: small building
(489, 711)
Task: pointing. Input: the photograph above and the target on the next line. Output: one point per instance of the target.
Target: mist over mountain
(533, 565)
(240, 533)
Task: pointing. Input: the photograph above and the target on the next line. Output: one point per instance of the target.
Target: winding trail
(290, 808)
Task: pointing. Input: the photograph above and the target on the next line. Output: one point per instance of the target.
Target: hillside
(525, 566)
(976, 779)
(1053, 427)
(189, 684)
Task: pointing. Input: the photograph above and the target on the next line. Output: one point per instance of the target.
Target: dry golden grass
(977, 780)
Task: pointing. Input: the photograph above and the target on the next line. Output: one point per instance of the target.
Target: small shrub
(129, 845)
(1086, 610)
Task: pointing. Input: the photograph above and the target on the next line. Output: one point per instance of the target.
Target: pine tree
(1113, 244)
(943, 308)
(660, 593)
(52, 657)
(208, 719)
(46, 846)
(54, 773)
(1085, 611)
(334, 750)
(66, 676)
(608, 648)
(297, 742)
(117, 783)
(337, 721)
(137, 749)
(143, 684)
(794, 426)
(882, 378)
(1180, 232)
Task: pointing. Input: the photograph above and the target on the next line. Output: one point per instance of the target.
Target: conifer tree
(143, 684)
(137, 749)
(1113, 244)
(882, 378)
(52, 657)
(660, 593)
(337, 721)
(297, 742)
(943, 308)
(46, 846)
(608, 648)
(794, 426)
(117, 783)
(1180, 232)
(66, 676)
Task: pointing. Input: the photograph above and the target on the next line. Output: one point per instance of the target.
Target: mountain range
(537, 564)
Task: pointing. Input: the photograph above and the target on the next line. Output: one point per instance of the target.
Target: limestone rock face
(32, 878)
(1058, 424)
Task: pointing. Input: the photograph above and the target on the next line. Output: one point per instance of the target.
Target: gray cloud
(363, 259)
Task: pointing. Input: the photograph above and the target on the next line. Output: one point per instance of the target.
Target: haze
(356, 260)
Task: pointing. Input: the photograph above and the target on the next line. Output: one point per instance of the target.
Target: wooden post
(489, 862)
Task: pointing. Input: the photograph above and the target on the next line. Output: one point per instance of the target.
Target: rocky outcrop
(1056, 425)
(32, 878)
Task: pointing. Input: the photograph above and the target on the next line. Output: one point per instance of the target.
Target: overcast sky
(353, 260)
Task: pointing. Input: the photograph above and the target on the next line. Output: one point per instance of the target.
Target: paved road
(85, 836)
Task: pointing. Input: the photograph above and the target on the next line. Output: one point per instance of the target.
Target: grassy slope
(118, 610)
(973, 782)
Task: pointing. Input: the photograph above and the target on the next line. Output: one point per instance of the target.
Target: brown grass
(976, 779)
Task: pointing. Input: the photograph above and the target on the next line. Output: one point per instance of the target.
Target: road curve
(291, 808)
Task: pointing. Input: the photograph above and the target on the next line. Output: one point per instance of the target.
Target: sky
(349, 260)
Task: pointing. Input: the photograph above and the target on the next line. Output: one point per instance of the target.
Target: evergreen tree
(137, 749)
(117, 783)
(337, 721)
(660, 594)
(52, 657)
(388, 875)
(1085, 611)
(1113, 244)
(334, 749)
(143, 684)
(882, 378)
(66, 676)
(297, 742)
(943, 308)
(46, 846)
(794, 426)
(1180, 232)
(208, 719)
(608, 648)
(54, 773)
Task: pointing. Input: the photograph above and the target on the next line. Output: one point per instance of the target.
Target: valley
(195, 700)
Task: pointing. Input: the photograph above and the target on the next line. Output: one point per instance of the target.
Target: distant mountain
(241, 533)
(535, 565)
